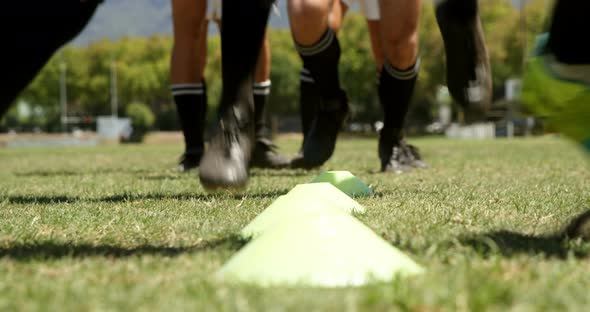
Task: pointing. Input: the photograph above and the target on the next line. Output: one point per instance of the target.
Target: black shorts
(32, 31)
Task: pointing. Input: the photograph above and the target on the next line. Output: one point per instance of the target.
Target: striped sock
(321, 59)
(395, 94)
(191, 106)
(261, 93)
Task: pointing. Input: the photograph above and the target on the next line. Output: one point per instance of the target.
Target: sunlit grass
(117, 228)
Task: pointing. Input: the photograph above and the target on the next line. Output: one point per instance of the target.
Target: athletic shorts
(214, 10)
(369, 8)
(49, 25)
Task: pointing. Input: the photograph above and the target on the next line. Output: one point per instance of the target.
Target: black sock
(322, 60)
(567, 40)
(395, 94)
(244, 25)
(309, 100)
(461, 9)
(191, 105)
(261, 93)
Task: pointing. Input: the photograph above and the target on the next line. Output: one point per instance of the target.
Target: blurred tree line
(142, 66)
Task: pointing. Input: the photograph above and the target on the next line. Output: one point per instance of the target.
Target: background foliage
(142, 66)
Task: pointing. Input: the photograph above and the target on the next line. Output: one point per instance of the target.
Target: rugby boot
(190, 160)
(468, 66)
(320, 141)
(579, 227)
(225, 164)
(393, 152)
(265, 155)
(413, 155)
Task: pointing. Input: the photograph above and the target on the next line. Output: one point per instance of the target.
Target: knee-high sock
(244, 24)
(191, 106)
(569, 30)
(321, 59)
(309, 99)
(261, 95)
(396, 88)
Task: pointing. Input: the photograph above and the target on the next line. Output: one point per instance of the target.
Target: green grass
(116, 228)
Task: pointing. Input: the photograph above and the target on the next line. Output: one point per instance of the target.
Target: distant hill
(118, 18)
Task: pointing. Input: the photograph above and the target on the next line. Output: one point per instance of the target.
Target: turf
(116, 228)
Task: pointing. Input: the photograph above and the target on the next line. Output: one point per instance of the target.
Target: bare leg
(376, 42)
(189, 55)
(399, 28)
(189, 26)
(399, 24)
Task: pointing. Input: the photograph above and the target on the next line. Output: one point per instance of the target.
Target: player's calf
(319, 49)
(226, 162)
(468, 67)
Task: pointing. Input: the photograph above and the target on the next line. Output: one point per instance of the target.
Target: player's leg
(265, 154)
(565, 40)
(370, 9)
(31, 44)
(468, 67)
(226, 161)
(399, 26)
(309, 95)
(557, 84)
(319, 49)
(186, 76)
(374, 26)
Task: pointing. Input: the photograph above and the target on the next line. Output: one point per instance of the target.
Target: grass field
(116, 228)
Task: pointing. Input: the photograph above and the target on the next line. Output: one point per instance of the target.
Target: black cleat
(225, 163)
(266, 156)
(298, 162)
(190, 160)
(394, 157)
(468, 66)
(321, 139)
(413, 155)
(579, 227)
(396, 154)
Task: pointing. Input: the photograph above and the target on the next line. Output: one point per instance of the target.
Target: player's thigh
(188, 17)
(309, 19)
(264, 61)
(311, 10)
(400, 18)
(337, 13)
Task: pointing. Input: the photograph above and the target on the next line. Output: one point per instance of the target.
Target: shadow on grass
(130, 197)
(163, 177)
(511, 244)
(65, 172)
(281, 173)
(56, 250)
(40, 199)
